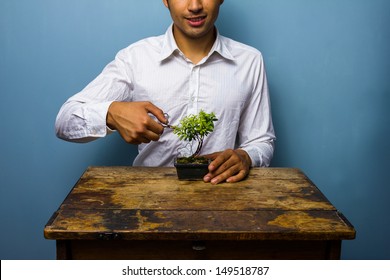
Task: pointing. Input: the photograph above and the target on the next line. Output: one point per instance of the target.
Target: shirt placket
(194, 90)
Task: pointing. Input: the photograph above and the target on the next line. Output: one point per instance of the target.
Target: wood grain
(130, 203)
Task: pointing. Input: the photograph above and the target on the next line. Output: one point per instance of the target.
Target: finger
(222, 177)
(152, 136)
(222, 161)
(128, 139)
(138, 137)
(212, 156)
(154, 130)
(236, 178)
(213, 166)
(145, 140)
(156, 111)
(142, 139)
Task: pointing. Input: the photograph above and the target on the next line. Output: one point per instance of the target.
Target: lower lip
(196, 23)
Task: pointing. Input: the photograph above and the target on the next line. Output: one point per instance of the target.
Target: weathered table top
(148, 203)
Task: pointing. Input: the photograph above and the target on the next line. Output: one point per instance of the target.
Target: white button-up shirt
(230, 81)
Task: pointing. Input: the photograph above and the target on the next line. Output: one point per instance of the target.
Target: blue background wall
(328, 68)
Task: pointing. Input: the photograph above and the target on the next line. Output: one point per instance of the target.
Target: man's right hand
(133, 121)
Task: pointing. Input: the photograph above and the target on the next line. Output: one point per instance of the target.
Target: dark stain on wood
(131, 203)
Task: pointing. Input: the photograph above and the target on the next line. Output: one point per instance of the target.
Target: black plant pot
(191, 171)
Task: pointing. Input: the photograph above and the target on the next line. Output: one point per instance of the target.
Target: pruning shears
(167, 125)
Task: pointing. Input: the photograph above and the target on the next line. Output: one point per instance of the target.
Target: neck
(195, 49)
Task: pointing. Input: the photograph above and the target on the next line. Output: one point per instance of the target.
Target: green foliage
(196, 127)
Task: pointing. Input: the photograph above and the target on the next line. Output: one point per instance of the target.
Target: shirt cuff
(94, 116)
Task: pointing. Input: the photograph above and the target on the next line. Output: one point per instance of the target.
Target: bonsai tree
(195, 128)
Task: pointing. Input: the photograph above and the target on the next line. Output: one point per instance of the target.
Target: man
(189, 68)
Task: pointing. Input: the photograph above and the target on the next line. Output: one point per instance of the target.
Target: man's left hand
(228, 166)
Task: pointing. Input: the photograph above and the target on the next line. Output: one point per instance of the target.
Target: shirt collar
(169, 46)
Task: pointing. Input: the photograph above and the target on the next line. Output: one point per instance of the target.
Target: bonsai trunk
(199, 148)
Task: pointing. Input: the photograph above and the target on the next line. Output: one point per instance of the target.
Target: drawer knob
(198, 246)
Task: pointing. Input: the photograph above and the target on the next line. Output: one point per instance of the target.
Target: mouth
(196, 21)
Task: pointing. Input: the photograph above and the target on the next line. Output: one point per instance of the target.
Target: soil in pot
(191, 168)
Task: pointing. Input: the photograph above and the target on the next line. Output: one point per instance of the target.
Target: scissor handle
(167, 124)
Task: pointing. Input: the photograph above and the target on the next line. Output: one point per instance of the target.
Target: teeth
(196, 19)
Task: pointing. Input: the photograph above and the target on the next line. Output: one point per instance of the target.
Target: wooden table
(147, 213)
